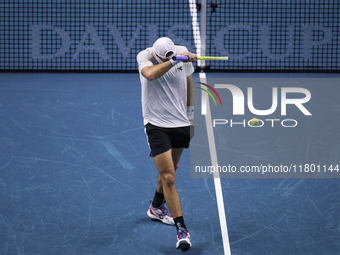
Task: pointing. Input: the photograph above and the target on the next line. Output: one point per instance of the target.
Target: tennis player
(167, 104)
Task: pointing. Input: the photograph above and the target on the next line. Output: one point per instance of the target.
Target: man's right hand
(192, 57)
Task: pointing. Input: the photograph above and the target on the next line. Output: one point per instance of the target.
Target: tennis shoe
(161, 213)
(183, 239)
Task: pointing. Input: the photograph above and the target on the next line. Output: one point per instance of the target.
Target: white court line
(214, 162)
(205, 110)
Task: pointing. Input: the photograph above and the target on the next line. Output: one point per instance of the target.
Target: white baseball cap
(163, 46)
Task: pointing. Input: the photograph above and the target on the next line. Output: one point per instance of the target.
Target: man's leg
(166, 164)
(176, 156)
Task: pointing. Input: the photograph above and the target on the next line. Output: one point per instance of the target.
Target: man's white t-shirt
(164, 100)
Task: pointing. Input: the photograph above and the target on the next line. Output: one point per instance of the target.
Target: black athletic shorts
(163, 139)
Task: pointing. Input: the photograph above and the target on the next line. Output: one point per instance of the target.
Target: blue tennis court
(76, 178)
(75, 171)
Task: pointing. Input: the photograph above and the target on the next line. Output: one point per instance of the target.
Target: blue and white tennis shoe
(183, 239)
(161, 213)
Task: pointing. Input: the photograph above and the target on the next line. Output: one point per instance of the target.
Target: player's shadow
(197, 249)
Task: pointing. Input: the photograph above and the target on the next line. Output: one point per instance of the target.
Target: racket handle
(180, 58)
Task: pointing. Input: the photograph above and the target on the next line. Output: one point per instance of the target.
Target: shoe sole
(183, 245)
(157, 219)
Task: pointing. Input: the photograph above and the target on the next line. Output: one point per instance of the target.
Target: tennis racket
(199, 58)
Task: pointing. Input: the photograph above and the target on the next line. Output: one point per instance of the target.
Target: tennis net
(107, 35)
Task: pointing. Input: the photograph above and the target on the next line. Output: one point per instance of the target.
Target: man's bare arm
(190, 91)
(156, 71)
(190, 94)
